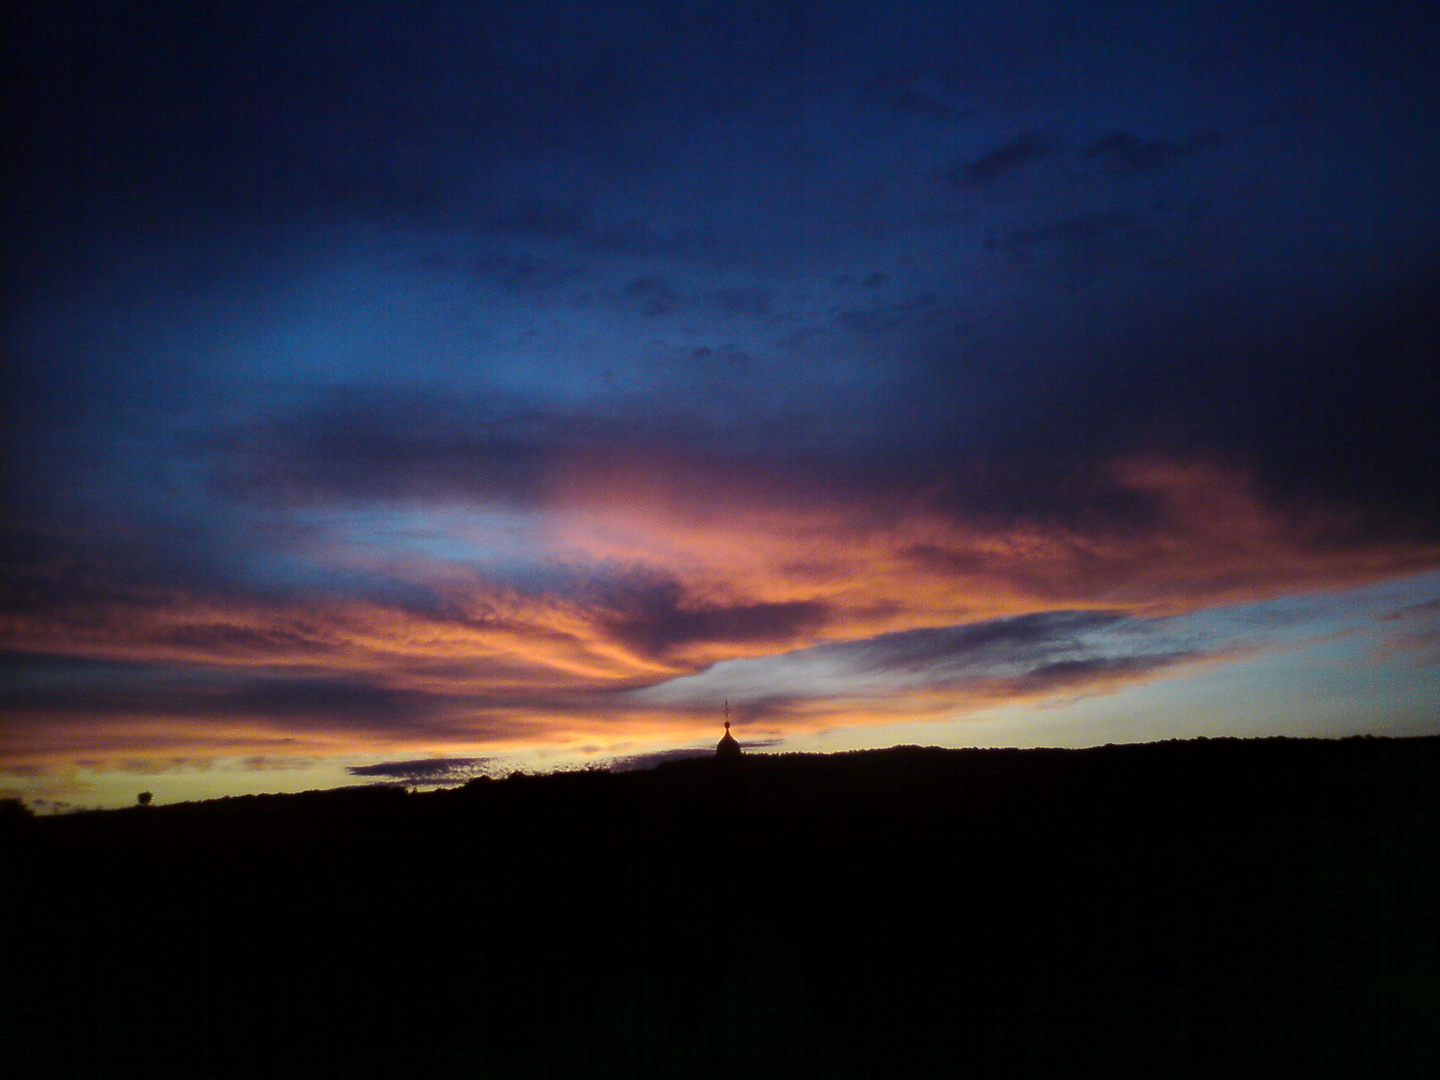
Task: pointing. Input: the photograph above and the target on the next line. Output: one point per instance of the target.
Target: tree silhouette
(143, 798)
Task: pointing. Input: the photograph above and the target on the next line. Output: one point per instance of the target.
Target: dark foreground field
(1208, 909)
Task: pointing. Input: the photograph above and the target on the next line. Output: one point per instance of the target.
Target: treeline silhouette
(1209, 908)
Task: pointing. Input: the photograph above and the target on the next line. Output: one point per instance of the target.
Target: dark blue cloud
(1124, 152)
(41, 684)
(1002, 161)
(1022, 639)
(660, 624)
(1039, 654)
(379, 444)
(427, 772)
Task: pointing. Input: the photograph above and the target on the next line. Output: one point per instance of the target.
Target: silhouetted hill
(1206, 908)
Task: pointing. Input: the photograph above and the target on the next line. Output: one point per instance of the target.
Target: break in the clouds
(440, 381)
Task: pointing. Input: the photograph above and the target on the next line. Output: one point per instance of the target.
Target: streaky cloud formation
(638, 582)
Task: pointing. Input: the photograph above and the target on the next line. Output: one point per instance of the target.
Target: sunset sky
(409, 392)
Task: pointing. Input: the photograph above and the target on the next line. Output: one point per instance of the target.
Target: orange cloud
(662, 572)
(908, 560)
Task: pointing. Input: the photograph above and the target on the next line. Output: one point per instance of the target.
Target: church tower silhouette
(728, 747)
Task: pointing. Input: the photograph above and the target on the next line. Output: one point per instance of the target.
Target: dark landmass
(1220, 908)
